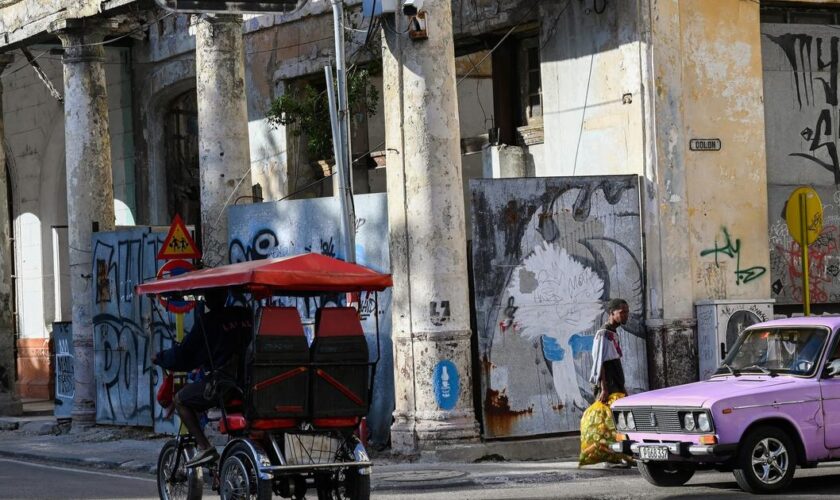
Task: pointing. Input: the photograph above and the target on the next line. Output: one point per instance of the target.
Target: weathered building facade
(676, 113)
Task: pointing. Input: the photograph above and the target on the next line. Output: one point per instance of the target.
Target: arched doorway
(181, 150)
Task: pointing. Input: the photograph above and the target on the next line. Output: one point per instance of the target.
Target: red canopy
(309, 272)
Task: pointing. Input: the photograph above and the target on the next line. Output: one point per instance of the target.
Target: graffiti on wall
(65, 385)
(128, 328)
(547, 255)
(801, 66)
(824, 261)
(266, 230)
(732, 250)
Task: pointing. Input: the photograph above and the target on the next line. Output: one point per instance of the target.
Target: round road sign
(813, 215)
(174, 268)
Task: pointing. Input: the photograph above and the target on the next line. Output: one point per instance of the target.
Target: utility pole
(340, 120)
(430, 305)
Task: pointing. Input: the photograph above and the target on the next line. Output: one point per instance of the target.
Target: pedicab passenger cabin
(293, 428)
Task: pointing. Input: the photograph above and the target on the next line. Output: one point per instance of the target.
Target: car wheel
(766, 461)
(666, 473)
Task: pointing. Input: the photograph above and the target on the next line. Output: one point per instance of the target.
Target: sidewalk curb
(81, 462)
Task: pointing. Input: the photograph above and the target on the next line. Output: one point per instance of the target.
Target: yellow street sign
(804, 208)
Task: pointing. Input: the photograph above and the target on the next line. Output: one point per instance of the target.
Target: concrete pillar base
(10, 405)
(409, 438)
(672, 352)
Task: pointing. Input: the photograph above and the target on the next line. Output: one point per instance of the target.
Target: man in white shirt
(607, 375)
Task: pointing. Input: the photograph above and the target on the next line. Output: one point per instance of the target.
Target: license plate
(653, 452)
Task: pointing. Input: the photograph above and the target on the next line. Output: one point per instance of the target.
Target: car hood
(706, 393)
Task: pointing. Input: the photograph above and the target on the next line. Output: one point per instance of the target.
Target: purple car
(773, 405)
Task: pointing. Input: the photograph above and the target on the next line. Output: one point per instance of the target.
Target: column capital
(82, 38)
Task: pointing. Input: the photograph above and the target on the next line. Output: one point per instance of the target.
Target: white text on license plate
(653, 452)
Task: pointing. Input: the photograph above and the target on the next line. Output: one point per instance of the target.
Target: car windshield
(775, 351)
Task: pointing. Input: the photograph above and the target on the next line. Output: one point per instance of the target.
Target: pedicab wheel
(180, 484)
(766, 461)
(666, 473)
(344, 484)
(238, 477)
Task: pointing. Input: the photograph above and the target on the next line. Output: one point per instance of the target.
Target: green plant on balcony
(305, 111)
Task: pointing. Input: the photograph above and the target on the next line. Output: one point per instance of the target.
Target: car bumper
(681, 451)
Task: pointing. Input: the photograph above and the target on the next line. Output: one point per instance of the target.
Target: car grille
(657, 420)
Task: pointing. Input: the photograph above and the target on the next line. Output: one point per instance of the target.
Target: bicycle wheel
(344, 484)
(239, 479)
(180, 484)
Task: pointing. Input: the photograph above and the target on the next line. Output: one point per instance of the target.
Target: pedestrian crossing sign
(178, 243)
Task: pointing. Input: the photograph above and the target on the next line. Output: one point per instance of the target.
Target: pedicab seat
(280, 372)
(340, 384)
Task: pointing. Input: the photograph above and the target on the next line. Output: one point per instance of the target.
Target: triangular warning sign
(178, 243)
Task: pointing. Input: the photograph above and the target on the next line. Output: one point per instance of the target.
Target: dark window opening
(788, 13)
(517, 91)
(182, 175)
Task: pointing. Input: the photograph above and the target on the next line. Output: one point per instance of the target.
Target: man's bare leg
(190, 420)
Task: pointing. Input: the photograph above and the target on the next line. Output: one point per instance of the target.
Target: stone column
(431, 317)
(224, 154)
(90, 189)
(9, 402)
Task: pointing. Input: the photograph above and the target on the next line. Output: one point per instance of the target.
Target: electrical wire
(505, 37)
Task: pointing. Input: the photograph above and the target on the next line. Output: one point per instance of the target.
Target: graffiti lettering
(122, 345)
(822, 264)
(65, 385)
(798, 51)
(733, 251)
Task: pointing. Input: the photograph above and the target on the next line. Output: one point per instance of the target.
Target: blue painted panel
(128, 328)
(291, 227)
(64, 375)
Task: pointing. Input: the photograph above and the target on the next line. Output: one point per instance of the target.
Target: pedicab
(290, 427)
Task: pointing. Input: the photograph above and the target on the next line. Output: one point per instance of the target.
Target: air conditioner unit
(720, 322)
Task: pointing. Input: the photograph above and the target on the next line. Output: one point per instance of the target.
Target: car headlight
(703, 422)
(631, 423)
(621, 423)
(688, 421)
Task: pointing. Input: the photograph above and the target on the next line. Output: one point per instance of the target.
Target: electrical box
(372, 8)
(719, 322)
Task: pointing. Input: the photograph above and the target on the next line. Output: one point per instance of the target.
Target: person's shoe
(203, 457)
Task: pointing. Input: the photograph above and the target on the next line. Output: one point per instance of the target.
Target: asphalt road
(822, 482)
(28, 480)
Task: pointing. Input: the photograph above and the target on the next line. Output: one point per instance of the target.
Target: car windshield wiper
(762, 369)
(724, 365)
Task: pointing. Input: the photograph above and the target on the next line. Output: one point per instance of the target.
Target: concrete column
(9, 402)
(224, 154)
(670, 322)
(431, 318)
(90, 189)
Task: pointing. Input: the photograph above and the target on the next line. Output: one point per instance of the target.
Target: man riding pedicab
(215, 344)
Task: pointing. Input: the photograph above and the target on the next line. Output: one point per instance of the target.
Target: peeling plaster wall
(35, 137)
(164, 68)
(726, 189)
(591, 79)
